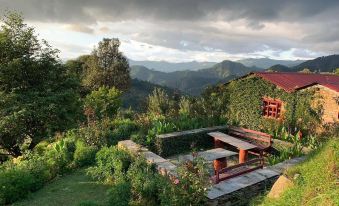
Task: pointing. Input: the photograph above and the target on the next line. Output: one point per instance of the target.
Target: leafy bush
(107, 132)
(15, 184)
(159, 103)
(120, 194)
(191, 186)
(102, 103)
(111, 164)
(143, 178)
(41, 147)
(60, 156)
(84, 155)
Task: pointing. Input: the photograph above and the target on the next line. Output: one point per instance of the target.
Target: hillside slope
(136, 96)
(267, 62)
(321, 64)
(317, 181)
(172, 67)
(192, 82)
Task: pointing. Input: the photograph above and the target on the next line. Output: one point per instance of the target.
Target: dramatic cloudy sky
(186, 30)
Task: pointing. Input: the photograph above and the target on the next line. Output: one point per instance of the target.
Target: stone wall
(331, 107)
(180, 142)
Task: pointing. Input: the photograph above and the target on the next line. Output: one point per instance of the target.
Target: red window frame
(271, 108)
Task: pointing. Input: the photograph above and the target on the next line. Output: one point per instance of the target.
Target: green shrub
(107, 132)
(59, 156)
(84, 155)
(144, 182)
(120, 194)
(15, 184)
(41, 147)
(191, 186)
(111, 164)
(102, 103)
(123, 129)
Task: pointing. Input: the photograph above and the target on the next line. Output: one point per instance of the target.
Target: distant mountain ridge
(265, 63)
(136, 96)
(320, 64)
(172, 67)
(192, 82)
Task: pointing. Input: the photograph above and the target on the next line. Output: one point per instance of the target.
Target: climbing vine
(244, 105)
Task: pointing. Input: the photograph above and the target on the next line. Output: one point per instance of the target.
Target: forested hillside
(192, 82)
(320, 64)
(164, 66)
(136, 96)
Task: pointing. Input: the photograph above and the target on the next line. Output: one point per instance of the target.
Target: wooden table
(243, 146)
(217, 155)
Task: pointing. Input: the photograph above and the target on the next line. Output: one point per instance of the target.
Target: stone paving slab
(237, 183)
(210, 155)
(246, 180)
(153, 158)
(282, 166)
(131, 146)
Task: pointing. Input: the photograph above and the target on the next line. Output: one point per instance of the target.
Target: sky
(187, 30)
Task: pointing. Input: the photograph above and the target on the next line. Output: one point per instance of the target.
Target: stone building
(276, 94)
(325, 85)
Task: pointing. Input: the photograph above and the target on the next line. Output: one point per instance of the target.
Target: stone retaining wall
(180, 142)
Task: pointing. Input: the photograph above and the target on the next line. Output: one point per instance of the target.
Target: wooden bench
(262, 140)
(236, 170)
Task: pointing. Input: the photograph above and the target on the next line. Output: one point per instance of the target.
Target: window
(271, 108)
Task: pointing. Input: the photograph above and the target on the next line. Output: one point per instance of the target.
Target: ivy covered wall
(244, 105)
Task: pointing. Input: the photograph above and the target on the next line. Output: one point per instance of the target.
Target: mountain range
(267, 62)
(164, 66)
(195, 80)
(192, 82)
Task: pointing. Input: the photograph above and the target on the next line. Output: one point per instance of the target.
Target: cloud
(80, 28)
(225, 27)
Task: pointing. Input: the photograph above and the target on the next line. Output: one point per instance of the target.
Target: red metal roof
(291, 81)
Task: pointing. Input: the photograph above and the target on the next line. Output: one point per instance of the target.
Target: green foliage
(191, 186)
(298, 143)
(31, 171)
(111, 164)
(120, 194)
(102, 103)
(336, 71)
(244, 100)
(15, 183)
(316, 183)
(144, 185)
(107, 67)
(159, 103)
(84, 155)
(87, 203)
(37, 96)
(107, 132)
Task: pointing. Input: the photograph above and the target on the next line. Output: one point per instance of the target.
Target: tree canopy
(37, 97)
(107, 66)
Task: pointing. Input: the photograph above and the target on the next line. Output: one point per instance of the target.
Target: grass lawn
(318, 181)
(70, 189)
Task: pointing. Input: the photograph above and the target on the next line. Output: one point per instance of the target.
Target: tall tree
(108, 67)
(37, 97)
